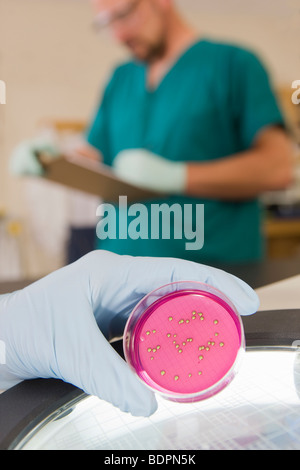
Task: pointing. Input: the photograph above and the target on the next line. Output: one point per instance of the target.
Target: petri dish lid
(185, 341)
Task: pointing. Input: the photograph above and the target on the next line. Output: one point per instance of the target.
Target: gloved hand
(150, 171)
(25, 157)
(59, 326)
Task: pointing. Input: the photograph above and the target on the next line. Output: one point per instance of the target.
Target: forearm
(245, 175)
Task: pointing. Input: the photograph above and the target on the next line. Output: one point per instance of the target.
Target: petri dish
(185, 341)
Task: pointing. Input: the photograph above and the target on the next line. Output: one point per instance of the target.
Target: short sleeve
(97, 133)
(254, 101)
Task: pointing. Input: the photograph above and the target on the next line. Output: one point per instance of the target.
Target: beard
(146, 51)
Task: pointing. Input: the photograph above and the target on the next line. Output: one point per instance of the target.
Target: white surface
(260, 409)
(280, 295)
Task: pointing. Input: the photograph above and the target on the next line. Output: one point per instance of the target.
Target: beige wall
(54, 66)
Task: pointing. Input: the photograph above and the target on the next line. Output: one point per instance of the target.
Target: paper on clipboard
(93, 178)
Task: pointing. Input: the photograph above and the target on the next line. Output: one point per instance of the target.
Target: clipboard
(92, 177)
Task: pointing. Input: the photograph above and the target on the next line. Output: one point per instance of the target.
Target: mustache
(152, 51)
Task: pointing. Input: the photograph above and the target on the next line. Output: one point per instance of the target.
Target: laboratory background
(54, 69)
(54, 66)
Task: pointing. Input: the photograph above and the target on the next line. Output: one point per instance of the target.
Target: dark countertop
(255, 274)
(266, 272)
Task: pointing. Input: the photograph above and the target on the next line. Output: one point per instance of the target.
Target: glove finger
(136, 277)
(126, 280)
(240, 293)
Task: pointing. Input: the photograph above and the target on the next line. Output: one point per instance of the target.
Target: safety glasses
(125, 15)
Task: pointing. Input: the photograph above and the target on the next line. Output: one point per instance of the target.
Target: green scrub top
(211, 104)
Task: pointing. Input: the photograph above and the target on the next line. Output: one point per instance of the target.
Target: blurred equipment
(282, 226)
(62, 220)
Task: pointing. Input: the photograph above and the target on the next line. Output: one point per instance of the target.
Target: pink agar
(186, 343)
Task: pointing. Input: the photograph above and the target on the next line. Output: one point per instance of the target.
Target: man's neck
(179, 38)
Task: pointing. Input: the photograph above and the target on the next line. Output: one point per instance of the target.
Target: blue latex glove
(150, 171)
(58, 326)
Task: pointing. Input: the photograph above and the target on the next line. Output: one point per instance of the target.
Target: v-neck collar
(171, 69)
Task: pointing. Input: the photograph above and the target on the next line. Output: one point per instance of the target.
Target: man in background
(195, 120)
